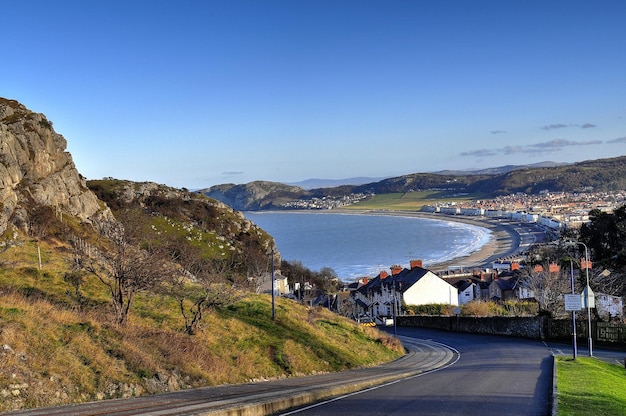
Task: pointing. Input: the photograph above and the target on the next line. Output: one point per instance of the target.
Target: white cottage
(414, 286)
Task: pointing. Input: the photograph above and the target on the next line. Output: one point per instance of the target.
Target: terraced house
(383, 296)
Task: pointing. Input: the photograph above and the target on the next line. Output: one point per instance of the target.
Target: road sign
(588, 298)
(573, 303)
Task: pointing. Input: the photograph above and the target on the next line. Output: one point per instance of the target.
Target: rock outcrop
(35, 170)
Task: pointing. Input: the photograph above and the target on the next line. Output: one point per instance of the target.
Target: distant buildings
(555, 210)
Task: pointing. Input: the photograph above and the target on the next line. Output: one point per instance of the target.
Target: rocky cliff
(35, 170)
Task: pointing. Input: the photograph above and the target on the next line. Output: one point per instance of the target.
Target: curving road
(493, 376)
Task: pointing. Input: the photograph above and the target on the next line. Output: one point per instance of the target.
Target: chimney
(416, 263)
(384, 275)
(395, 269)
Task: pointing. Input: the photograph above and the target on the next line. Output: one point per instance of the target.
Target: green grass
(408, 201)
(589, 386)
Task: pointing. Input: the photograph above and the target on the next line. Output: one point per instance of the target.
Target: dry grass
(56, 352)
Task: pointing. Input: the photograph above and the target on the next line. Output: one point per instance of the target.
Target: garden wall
(538, 327)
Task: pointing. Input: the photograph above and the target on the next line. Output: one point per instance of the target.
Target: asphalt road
(444, 373)
(493, 376)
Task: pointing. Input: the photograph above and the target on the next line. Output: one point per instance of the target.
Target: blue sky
(197, 93)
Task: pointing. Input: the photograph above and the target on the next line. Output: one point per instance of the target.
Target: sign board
(588, 298)
(573, 303)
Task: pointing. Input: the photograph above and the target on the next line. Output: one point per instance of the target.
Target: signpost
(573, 302)
(588, 298)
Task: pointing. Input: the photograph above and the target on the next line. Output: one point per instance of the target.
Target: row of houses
(520, 216)
(382, 297)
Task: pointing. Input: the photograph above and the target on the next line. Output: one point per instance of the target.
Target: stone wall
(527, 327)
(539, 327)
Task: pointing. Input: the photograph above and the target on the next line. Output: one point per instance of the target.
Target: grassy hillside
(56, 350)
(409, 201)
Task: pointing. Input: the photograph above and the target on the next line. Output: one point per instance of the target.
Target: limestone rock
(36, 169)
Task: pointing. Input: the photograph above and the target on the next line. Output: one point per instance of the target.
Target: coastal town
(492, 274)
(569, 209)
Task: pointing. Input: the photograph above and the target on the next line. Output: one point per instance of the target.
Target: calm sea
(356, 245)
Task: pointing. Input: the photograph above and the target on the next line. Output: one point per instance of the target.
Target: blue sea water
(356, 245)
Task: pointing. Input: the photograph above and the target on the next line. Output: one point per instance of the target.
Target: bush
(435, 309)
(506, 308)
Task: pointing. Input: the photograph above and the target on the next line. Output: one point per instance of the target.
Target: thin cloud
(232, 173)
(557, 144)
(480, 153)
(535, 148)
(498, 131)
(619, 140)
(554, 126)
(563, 126)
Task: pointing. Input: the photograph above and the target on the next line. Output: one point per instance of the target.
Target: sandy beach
(505, 240)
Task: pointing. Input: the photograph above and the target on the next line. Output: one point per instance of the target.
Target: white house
(423, 287)
(281, 286)
(467, 291)
(414, 286)
(609, 306)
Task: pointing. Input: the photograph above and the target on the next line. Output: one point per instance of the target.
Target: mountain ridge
(591, 175)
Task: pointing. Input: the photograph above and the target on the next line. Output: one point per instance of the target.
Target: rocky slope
(35, 170)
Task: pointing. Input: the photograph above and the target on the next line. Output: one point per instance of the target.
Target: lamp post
(273, 309)
(571, 269)
(395, 313)
(587, 292)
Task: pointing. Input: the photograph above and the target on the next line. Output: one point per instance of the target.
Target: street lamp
(273, 308)
(395, 312)
(587, 293)
(571, 270)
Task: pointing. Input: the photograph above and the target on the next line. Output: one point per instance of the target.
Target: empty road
(493, 376)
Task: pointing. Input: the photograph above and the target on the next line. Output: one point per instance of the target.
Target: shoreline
(505, 239)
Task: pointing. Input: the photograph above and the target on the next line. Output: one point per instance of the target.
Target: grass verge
(588, 386)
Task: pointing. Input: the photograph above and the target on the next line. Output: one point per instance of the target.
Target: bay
(357, 245)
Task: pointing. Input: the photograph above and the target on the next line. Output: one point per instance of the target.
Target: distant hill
(592, 175)
(500, 169)
(329, 183)
(256, 195)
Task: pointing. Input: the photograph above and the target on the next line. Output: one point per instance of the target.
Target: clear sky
(197, 93)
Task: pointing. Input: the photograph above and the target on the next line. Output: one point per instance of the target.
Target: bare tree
(547, 285)
(124, 268)
(199, 284)
(257, 264)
